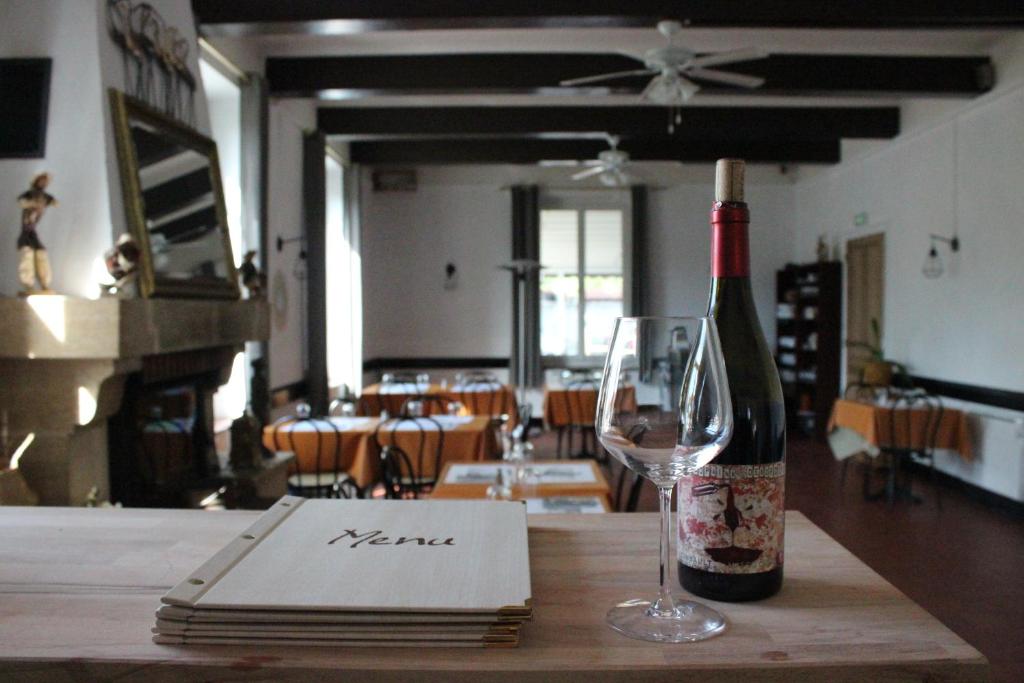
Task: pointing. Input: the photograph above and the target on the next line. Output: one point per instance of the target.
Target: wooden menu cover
(225, 616)
(446, 557)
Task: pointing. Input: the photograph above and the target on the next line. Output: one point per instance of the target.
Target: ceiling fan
(608, 166)
(674, 67)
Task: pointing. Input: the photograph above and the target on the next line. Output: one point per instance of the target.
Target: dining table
(476, 398)
(529, 479)
(867, 426)
(348, 444)
(893, 431)
(391, 396)
(80, 587)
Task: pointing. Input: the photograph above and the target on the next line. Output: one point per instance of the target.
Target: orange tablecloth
(599, 487)
(390, 397)
(357, 454)
(563, 407)
(874, 422)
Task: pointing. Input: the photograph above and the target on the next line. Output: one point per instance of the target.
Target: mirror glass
(186, 240)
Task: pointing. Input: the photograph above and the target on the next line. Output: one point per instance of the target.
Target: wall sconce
(933, 266)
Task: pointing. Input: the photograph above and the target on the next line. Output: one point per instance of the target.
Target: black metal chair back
(574, 400)
(482, 393)
(521, 432)
(414, 480)
(898, 437)
(397, 473)
(328, 480)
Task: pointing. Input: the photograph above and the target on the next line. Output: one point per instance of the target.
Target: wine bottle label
(732, 518)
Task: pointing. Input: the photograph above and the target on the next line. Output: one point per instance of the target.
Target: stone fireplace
(81, 374)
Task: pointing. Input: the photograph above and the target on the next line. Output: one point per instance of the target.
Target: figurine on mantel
(122, 262)
(251, 276)
(246, 452)
(33, 262)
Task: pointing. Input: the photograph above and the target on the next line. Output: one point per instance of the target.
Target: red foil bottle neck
(730, 242)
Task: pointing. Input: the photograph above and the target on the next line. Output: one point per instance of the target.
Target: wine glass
(664, 411)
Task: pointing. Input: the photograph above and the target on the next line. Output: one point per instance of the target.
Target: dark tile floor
(964, 563)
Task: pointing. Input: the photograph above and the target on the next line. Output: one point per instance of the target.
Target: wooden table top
(599, 487)
(79, 587)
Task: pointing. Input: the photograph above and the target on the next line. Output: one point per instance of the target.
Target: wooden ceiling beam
(528, 73)
(531, 151)
(696, 123)
(248, 17)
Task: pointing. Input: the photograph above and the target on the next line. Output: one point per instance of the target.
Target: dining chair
(328, 479)
(521, 432)
(907, 432)
(866, 393)
(482, 394)
(578, 418)
(397, 474)
(408, 461)
(167, 454)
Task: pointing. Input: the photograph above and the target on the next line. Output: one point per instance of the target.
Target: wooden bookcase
(808, 320)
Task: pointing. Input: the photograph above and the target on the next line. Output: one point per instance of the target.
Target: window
(224, 101)
(344, 280)
(582, 286)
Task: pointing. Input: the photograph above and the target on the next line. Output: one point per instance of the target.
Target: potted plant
(877, 371)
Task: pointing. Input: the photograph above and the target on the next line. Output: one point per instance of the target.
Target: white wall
(75, 147)
(962, 171)
(680, 239)
(458, 215)
(80, 150)
(286, 292)
(462, 214)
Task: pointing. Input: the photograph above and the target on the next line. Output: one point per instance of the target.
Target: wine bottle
(732, 512)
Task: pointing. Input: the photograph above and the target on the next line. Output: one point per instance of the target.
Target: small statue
(122, 262)
(246, 452)
(251, 277)
(259, 390)
(822, 249)
(33, 261)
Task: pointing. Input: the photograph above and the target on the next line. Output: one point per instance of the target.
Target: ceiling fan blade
(650, 87)
(589, 172)
(605, 77)
(719, 58)
(614, 178)
(741, 80)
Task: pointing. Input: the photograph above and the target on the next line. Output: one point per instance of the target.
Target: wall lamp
(933, 266)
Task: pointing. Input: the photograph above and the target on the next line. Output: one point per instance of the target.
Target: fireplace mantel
(64, 361)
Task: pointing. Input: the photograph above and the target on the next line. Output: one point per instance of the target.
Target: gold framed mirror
(174, 203)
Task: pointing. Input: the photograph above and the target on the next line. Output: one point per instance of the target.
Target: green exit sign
(861, 218)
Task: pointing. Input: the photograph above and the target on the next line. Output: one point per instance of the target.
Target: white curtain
(344, 279)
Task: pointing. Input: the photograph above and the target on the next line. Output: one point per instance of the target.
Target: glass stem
(665, 605)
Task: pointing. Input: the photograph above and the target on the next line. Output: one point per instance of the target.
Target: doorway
(865, 282)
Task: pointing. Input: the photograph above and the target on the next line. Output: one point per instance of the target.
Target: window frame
(582, 201)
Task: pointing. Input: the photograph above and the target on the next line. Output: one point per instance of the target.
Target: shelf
(817, 288)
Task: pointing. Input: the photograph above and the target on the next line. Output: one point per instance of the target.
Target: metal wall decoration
(155, 59)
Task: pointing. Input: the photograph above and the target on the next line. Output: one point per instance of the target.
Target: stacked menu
(361, 573)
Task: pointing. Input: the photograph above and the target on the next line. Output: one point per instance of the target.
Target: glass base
(689, 621)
